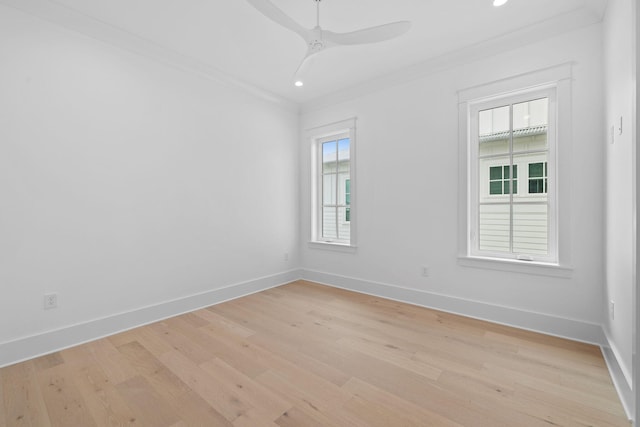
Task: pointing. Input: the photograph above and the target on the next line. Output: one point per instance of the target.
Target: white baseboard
(620, 380)
(47, 342)
(538, 322)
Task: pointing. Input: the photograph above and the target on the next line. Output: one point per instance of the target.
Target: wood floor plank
(115, 367)
(48, 361)
(415, 414)
(103, 400)
(392, 354)
(147, 337)
(296, 418)
(375, 415)
(225, 400)
(3, 412)
(125, 337)
(305, 354)
(65, 404)
(323, 409)
(236, 351)
(252, 418)
(150, 408)
(171, 331)
(184, 402)
(154, 371)
(264, 402)
(220, 323)
(23, 401)
(288, 359)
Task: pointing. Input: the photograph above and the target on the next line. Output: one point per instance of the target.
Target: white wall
(407, 166)
(619, 85)
(126, 183)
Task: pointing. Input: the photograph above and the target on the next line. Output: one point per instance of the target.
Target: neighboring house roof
(531, 131)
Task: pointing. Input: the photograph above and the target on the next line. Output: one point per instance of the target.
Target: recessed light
(497, 3)
(299, 83)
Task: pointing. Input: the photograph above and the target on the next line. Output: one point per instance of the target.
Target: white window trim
(558, 77)
(314, 136)
(474, 107)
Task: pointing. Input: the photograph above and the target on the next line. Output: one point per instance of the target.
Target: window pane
(343, 149)
(532, 188)
(536, 186)
(530, 225)
(491, 177)
(343, 155)
(494, 228)
(347, 191)
(493, 131)
(329, 230)
(342, 186)
(344, 227)
(521, 116)
(500, 120)
(530, 123)
(531, 114)
(495, 172)
(495, 187)
(329, 156)
(536, 170)
(329, 189)
(485, 122)
(515, 186)
(507, 185)
(539, 112)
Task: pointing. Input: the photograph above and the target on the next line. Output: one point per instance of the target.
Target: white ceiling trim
(101, 31)
(73, 20)
(553, 27)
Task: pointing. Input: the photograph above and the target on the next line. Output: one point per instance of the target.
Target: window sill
(333, 246)
(517, 266)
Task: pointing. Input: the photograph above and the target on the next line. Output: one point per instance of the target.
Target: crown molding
(85, 25)
(561, 24)
(70, 19)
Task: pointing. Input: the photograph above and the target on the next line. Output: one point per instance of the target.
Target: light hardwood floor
(309, 355)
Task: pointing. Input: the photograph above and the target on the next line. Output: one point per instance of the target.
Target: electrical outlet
(50, 301)
(286, 256)
(425, 271)
(612, 309)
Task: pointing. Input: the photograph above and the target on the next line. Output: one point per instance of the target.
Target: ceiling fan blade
(304, 67)
(272, 12)
(369, 35)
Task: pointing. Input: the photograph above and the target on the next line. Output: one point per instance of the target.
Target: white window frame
(316, 136)
(474, 228)
(556, 83)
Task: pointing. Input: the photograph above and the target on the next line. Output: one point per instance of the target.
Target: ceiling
(234, 39)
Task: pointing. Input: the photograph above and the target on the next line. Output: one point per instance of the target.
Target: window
(500, 179)
(333, 184)
(515, 173)
(336, 162)
(507, 135)
(537, 177)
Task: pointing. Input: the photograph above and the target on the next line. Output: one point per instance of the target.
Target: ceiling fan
(318, 39)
